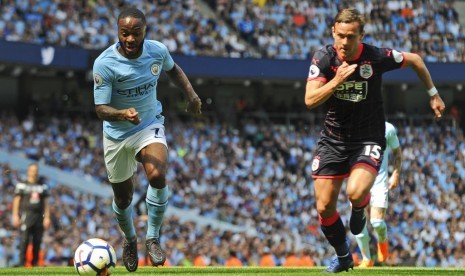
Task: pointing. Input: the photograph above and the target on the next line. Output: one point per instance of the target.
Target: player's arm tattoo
(397, 159)
(180, 80)
(108, 113)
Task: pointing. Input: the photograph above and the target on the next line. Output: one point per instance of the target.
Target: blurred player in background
(379, 200)
(31, 213)
(347, 76)
(125, 95)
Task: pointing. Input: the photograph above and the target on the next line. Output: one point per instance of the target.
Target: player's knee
(359, 200)
(157, 179)
(123, 203)
(157, 173)
(325, 209)
(377, 223)
(355, 197)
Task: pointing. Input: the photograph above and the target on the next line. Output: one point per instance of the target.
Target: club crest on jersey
(366, 71)
(97, 80)
(155, 69)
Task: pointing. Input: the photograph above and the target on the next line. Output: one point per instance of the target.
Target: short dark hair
(132, 12)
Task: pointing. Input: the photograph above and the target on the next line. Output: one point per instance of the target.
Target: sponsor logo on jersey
(155, 69)
(98, 80)
(137, 91)
(123, 79)
(366, 71)
(313, 72)
(354, 91)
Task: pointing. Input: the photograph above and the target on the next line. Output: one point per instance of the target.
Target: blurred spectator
(267, 259)
(233, 261)
(31, 213)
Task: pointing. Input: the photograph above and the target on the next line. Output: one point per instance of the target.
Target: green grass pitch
(246, 271)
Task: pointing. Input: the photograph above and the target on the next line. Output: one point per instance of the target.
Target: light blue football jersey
(123, 83)
(392, 142)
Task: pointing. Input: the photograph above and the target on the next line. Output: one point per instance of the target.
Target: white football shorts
(120, 156)
(379, 195)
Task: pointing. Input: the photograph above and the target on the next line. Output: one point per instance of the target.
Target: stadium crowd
(290, 29)
(281, 29)
(255, 175)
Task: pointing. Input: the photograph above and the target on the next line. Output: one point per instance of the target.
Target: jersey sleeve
(319, 67)
(391, 138)
(168, 62)
(391, 59)
(102, 82)
(19, 189)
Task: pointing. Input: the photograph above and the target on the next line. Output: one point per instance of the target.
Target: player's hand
(344, 71)
(194, 105)
(393, 181)
(132, 116)
(438, 106)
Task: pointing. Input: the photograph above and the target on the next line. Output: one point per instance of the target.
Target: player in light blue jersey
(379, 200)
(125, 95)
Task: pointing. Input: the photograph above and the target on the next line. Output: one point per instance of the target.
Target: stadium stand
(287, 29)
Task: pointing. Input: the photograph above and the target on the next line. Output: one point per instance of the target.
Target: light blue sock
(380, 228)
(157, 201)
(124, 218)
(363, 241)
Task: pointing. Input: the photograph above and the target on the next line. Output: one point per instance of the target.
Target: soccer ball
(94, 257)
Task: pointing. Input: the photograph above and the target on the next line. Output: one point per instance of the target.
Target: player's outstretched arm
(416, 62)
(179, 78)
